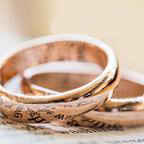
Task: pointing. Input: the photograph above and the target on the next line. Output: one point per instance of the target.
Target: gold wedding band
(124, 109)
(66, 105)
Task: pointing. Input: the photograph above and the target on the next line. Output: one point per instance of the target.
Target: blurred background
(120, 23)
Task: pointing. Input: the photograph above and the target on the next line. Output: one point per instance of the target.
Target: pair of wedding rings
(105, 99)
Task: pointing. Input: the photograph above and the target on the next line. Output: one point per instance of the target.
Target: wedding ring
(65, 105)
(124, 109)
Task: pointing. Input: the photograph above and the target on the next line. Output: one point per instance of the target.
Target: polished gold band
(130, 86)
(66, 105)
(124, 109)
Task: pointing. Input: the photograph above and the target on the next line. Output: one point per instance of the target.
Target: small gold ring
(124, 109)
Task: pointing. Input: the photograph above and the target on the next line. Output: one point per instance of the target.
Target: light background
(120, 23)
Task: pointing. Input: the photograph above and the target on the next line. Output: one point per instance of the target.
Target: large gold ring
(66, 105)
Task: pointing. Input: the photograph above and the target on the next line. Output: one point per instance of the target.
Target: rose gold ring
(124, 109)
(65, 105)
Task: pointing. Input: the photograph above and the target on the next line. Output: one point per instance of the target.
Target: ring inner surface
(64, 81)
(128, 89)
